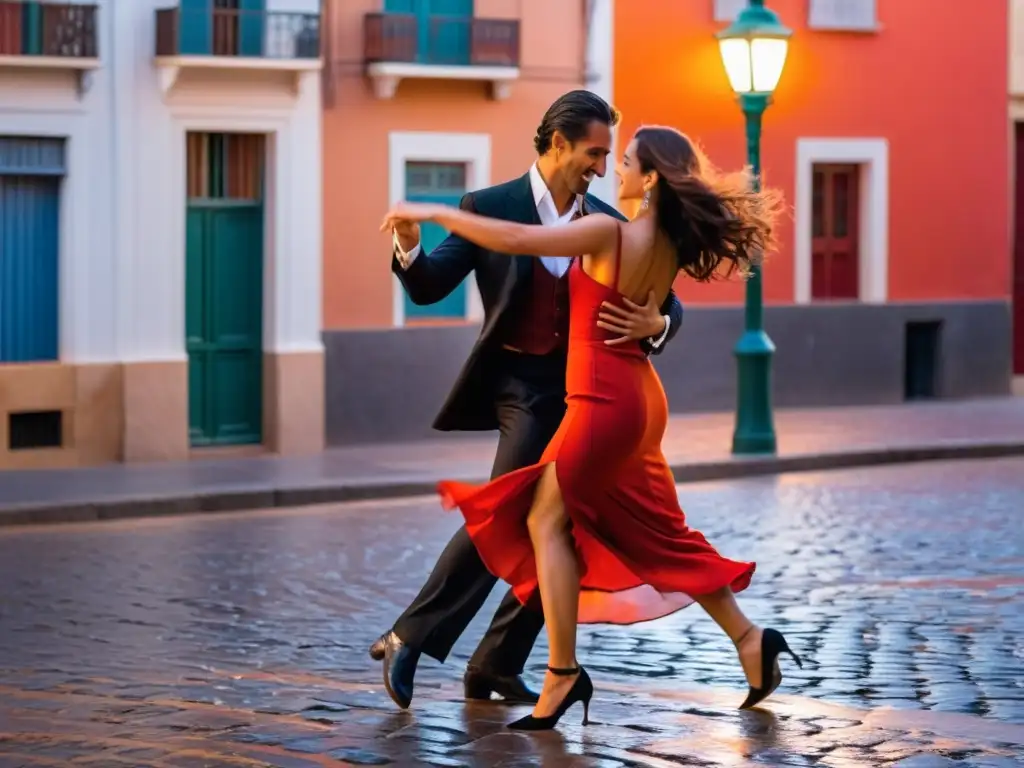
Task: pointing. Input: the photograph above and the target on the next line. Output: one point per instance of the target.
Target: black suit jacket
(500, 278)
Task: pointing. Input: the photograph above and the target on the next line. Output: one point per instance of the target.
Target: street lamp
(754, 52)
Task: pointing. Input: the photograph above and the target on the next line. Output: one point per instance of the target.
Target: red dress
(638, 559)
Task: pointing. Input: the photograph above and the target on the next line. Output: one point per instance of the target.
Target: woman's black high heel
(582, 690)
(772, 644)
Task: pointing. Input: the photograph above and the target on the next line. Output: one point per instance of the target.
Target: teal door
(223, 322)
(436, 183)
(451, 29)
(251, 21)
(29, 268)
(31, 173)
(443, 28)
(31, 28)
(195, 27)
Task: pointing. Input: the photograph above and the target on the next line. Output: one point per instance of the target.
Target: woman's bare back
(646, 263)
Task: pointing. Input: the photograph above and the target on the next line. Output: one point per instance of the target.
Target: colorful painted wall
(159, 319)
(932, 85)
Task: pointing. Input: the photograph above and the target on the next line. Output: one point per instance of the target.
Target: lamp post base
(755, 430)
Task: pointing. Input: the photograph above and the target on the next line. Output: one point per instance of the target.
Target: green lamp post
(754, 51)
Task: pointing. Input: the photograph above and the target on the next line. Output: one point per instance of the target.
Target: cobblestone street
(240, 640)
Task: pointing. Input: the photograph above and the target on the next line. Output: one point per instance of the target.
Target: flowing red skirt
(638, 558)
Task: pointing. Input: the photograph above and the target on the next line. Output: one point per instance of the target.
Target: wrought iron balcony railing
(58, 30)
(235, 32)
(440, 40)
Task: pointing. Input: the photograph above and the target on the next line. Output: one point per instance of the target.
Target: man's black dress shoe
(399, 667)
(480, 684)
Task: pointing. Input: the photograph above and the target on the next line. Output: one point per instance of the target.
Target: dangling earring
(646, 203)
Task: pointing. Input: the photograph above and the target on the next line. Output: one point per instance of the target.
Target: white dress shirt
(549, 217)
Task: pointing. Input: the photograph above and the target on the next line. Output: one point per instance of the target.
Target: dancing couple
(581, 516)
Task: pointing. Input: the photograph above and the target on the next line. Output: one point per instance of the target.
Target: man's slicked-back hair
(571, 114)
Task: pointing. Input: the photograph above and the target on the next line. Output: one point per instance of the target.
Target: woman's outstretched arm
(591, 234)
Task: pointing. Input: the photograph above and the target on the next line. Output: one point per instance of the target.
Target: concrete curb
(250, 498)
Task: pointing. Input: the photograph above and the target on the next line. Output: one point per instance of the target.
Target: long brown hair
(710, 217)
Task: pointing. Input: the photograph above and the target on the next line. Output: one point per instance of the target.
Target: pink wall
(357, 276)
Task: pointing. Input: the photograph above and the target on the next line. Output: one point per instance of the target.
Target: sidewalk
(697, 447)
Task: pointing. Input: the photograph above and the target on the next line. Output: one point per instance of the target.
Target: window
(843, 15)
(432, 179)
(225, 27)
(444, 166)
(445, 182)
(728, 10)
(225, 166)
(835, 220)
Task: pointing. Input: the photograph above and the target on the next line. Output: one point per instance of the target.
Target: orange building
(888, 135)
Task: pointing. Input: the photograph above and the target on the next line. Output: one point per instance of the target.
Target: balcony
(397, 46)
(49, 36)
(214, 38)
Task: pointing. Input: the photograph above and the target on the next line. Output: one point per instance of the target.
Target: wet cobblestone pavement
(241, 640)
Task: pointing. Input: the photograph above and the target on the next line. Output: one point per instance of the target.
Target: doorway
(224, 259)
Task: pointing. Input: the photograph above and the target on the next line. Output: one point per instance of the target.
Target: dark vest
(542, 314)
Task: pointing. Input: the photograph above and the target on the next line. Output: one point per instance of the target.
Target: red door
(1018, 257)
(835, 265)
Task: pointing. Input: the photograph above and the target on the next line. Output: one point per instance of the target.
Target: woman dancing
(595, 531)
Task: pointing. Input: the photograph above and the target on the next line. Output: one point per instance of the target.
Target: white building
(160, 229)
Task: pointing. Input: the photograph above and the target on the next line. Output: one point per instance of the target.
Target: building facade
(426, 100)
(888, 137)
(893, 279)
(160, 230)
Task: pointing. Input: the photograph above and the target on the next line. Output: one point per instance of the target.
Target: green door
(224, 287)
(436, 183)
(224, 319)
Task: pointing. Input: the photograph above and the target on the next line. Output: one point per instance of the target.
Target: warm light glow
(736, 56)
(754, 65)
(769, 56)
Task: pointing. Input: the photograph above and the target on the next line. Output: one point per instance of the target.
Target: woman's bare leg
(559, 578)
(745, 635)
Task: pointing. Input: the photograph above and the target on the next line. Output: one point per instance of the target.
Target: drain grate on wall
(35, 429)
(921, 361)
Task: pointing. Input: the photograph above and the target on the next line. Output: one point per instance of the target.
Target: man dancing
(513, 381)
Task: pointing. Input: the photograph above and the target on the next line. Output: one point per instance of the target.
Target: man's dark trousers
(530, 404)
